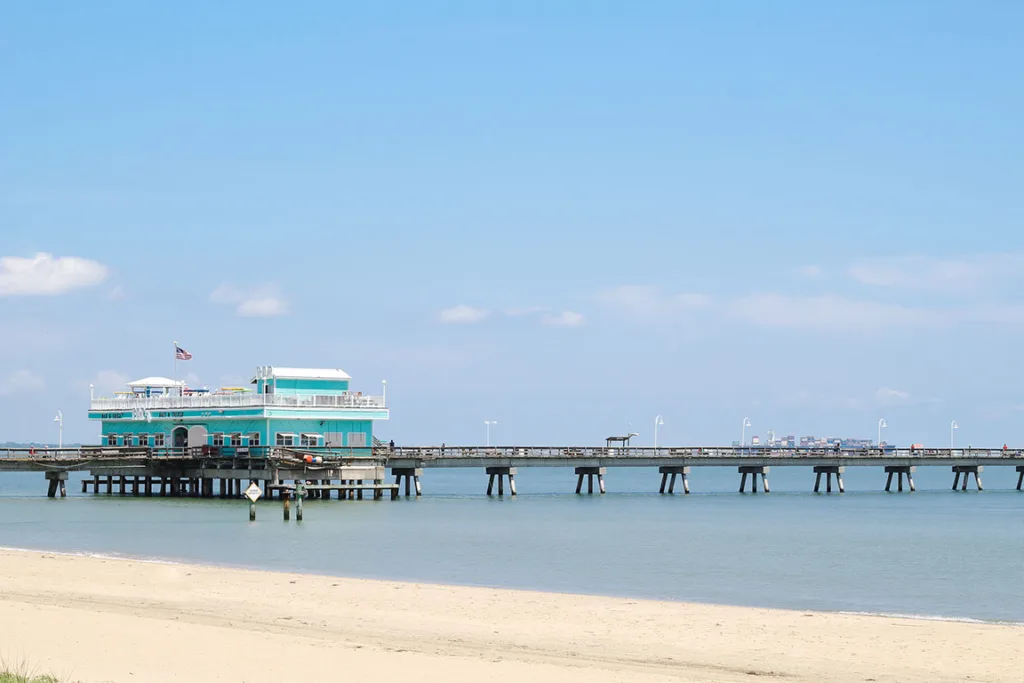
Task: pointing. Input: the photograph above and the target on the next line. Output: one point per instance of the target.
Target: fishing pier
(351, 473)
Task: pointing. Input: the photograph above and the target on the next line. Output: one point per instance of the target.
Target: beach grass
(14, 677)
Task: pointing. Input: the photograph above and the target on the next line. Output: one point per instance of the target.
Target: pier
(349, 473)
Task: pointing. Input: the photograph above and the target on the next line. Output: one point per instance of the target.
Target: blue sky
(567, 217)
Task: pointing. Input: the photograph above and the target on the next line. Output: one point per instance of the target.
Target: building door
(179, 437)
(197, 436)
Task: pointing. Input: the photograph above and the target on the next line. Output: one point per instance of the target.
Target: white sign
(253, 493)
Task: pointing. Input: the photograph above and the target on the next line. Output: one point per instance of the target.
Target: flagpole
(176, 365)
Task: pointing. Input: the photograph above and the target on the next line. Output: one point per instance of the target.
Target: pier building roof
(272, 372)
(156, 382)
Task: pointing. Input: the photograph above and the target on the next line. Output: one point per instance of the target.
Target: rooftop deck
(247, 400)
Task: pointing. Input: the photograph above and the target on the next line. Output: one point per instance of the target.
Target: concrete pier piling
(829, 471)
(501, 473)
(590, 473)
(1020, 477)
(900, 471)
(674, 471)
(56, 481)
(754, 471)
(411, 475)
(967, 471)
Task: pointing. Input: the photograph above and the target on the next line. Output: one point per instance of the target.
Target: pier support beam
(754, 471)
(675, 471)
(899, 471)
(56, 481)
(828, 471)
(967, 471)
(1020, 476)
(500, 473)
(412, 476)
(590, 473)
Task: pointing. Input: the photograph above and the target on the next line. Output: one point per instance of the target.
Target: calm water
(934, 553)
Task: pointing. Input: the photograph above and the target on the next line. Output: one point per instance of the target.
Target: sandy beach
(100, 619)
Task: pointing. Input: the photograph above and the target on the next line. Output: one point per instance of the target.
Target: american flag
(181, 354)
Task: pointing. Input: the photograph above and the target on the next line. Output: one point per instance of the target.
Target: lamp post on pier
(489, 423)
(881, 424)
(657, 421)
(384, 389)
(743, 431)
(952, 425)
(60, 429)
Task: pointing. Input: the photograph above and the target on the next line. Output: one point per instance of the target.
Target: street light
(743, 431)
(489, 423)
(952, 425)
(657, 421)
(881, 424)
(60, 429)
(384, 388)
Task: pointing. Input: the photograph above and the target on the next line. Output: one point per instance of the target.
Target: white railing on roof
(350, 400)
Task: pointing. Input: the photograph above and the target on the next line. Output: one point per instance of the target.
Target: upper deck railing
(249, 400)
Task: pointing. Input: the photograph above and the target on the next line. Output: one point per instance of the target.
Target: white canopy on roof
(270, 372)
(156, 382)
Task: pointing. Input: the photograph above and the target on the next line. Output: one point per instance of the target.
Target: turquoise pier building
(287, 407)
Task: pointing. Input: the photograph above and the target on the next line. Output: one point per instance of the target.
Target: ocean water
(933, 553)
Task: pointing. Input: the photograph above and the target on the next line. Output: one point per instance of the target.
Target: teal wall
(334, 429)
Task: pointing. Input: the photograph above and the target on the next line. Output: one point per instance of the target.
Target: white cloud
(117, 293)
(263, 301)
(45, 275)
(108, 381)
(267, 307)
(227, 294)
(651, 302)
(21, 382)
(970, 274)
(463, 314)
(824, 313)
(564, 319)
(891, 397)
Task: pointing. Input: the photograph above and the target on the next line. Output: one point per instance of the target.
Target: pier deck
(350, 471)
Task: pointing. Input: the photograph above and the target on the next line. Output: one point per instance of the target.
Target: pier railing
(350, 400)
(689, 452)
(426, 454)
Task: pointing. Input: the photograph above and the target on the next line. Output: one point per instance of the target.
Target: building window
(111, 439)
(218, 439)
(310, 440)
(143, 439)
(254, 439)
(127, 439)
(236, 439)
(158, 440)
(285, 439)
(357, 439)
